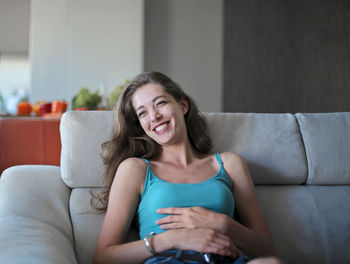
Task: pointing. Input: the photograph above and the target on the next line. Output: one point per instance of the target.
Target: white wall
(76, 43)
(184, 39)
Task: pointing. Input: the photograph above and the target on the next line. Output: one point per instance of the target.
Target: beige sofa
(300, 164)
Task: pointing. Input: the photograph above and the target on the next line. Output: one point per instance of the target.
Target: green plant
(114, 94)
(86, 99)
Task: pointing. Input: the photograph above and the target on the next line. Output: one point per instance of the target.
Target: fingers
(181, 210)
(171, 210)
(171, 222)
(168, 219)
(219, 243)
(183, 217)
(175, 225)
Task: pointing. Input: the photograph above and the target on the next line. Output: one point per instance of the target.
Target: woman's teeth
(159, 128)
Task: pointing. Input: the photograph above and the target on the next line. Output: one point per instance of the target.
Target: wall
(14, 18)
(77, 43)
(14, 62)
(287, 56)
(184, 40)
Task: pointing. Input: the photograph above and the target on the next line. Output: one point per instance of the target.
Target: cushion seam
(307, 150)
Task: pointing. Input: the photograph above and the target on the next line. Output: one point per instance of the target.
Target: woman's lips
(161, 128)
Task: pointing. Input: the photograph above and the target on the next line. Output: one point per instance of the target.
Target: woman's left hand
(190, 217)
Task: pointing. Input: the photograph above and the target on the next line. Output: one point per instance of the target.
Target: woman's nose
(155, 115)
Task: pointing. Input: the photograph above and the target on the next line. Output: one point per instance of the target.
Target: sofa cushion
(270, 143)
(82, 133)
(308, 223)
(26, 240)
(87, 223)
(36, 192)
(326, 138)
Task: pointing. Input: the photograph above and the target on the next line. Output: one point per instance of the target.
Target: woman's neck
(181, 154)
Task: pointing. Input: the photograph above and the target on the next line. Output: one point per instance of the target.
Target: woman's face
(160, 115)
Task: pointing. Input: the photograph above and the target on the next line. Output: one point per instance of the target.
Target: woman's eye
(160, 103)
(141, 114)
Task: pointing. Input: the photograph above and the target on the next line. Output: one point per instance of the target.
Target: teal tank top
(214, 194)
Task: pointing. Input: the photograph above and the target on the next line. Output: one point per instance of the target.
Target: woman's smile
(163, 127)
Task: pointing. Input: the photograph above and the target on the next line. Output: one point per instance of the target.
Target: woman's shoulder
(233, 163)
(134, 164)
(131, 171)
(232, 158)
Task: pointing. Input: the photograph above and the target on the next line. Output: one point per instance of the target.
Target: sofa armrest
(35, 225)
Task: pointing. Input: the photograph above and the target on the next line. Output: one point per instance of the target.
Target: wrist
(224, 224)
(163, 241)
(148, 243)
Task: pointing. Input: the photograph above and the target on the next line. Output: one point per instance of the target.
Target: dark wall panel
(286, 56)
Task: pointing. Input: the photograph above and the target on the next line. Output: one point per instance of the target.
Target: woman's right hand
(204, 240)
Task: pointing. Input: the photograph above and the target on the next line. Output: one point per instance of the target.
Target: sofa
(300, 164)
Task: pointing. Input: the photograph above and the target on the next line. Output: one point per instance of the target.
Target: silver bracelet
(147, 242)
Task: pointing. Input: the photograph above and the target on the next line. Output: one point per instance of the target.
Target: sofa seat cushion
(308, 223)
(26, 240)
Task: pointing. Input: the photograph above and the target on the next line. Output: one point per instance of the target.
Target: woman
(159, 168)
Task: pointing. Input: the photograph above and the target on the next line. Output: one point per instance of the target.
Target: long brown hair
(129, 139)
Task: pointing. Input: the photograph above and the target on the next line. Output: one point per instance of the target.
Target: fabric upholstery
(308, 223)
(259, 138)
(82, 133)
(34, 219)
(87, 223)
(33, 242)
(40, 194)
(327, 147)
(333, 205)
(294, 223)
(270, 143)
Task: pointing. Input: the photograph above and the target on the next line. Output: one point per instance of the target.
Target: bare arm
(123, 200)
(253, 237)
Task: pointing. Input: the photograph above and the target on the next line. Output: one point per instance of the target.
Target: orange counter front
(29, 140)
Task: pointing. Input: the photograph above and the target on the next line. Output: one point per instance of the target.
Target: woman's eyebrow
(153, 100)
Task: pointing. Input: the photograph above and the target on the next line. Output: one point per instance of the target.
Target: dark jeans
(173, 260)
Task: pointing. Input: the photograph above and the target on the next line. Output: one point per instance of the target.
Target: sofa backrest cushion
(270, 143)
(82, 133)
(326, 138)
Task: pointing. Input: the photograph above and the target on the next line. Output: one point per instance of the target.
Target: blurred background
(229, 55)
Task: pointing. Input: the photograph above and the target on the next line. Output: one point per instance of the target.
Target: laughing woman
(159, 168)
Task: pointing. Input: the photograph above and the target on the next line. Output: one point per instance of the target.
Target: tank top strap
(149, 176)
(223, 174)
(218, 158)
(147, 162)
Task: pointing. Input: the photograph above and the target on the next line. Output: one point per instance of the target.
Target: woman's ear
(184, 105)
